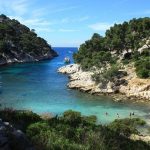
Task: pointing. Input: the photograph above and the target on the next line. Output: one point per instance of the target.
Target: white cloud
(38, 24)
(145, 12)
(64, 20)
(83, 18)
(80, 19)
(63, 9)
(39, 12)
(20, 7)
(17, 7)
(100, 26)
(32, 22)
(67, 30)
(41, 18)
(45, 29)
(73, 20)
(23, 12)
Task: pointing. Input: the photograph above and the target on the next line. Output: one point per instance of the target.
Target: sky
(68, 23)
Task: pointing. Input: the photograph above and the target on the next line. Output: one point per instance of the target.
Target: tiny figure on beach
(106, 113)
(117, 115)
(133, 113)
(130, 115)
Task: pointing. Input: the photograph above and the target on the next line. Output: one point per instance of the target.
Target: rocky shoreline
(20, 44)
(136, 89)
(25, 58)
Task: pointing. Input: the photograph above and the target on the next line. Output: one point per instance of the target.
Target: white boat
(67, 60)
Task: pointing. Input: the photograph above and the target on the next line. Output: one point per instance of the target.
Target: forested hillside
(20, 44)
(124, 43)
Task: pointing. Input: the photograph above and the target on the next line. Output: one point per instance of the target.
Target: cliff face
(20, 44)
(130, 85)
(136, 87)
(11, 138)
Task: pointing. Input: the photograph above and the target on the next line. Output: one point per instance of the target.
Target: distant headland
(20, 44)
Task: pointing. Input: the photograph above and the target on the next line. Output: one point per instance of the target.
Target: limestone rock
(140, 137)
(69, 69)
(126, 82)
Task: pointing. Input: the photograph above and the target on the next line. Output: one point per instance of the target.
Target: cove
(38, 87)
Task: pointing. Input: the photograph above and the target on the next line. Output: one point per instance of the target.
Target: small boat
(67, 60)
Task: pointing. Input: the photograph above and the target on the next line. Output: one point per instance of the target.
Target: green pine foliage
(18, 41)
(99, 51)
(107, 74)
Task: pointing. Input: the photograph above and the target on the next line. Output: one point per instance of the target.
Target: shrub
(143, 67)
(46, 138)
(90, 119)
(36, 128)
(73, 118)
(75, 132)
(19, 118)
(126, 126)
(85, 134)
(106, 75)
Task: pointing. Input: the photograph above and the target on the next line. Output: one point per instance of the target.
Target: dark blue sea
(38, 87)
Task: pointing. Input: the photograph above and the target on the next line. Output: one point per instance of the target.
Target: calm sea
(38, 87)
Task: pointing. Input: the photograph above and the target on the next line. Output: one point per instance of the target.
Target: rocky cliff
(11, 138)
(118, 62)
(130, 85)
(20, 44)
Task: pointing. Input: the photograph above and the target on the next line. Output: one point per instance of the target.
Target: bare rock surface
(140, 137)
(134, 87)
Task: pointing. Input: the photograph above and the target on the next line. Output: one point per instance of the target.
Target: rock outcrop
(78, 79)
(134, 87)
(13, 139)
(140, 137)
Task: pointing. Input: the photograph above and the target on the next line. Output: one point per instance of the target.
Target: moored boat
(67, 60)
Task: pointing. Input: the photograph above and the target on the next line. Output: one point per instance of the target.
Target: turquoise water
(38, 87)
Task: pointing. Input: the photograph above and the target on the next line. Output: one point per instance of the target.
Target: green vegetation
(18, 41)
(143, 67)
(107, 74)
(130, 36)
(19, 118)
(93, 53)
(126, 126)
(72, 131)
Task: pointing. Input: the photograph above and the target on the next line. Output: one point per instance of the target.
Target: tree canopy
(128, 36)
(18, 41)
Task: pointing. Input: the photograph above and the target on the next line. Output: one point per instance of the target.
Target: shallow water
(38, 87)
